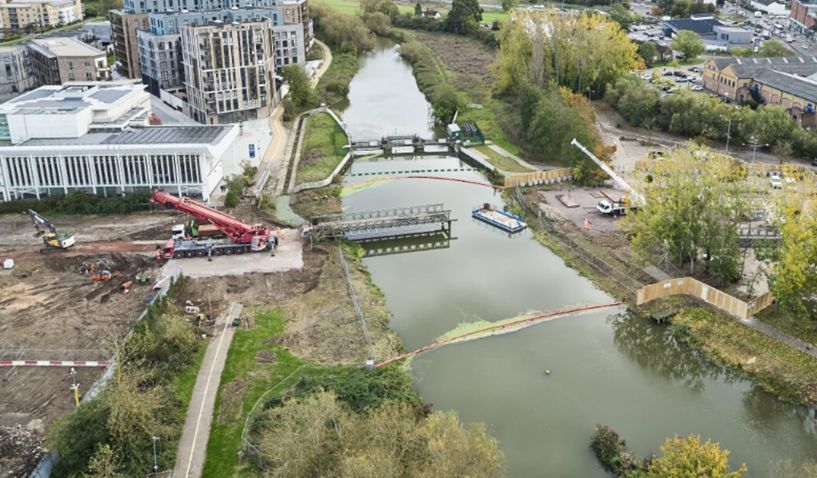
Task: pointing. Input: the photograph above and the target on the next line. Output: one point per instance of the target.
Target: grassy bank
(777, 368)
(502, 162)
(439, 58)
(323, 148)
(255, 363)
(334, 84)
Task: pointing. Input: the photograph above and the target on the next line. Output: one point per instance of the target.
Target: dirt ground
(16, 230)
(320, 322)
(48, 310)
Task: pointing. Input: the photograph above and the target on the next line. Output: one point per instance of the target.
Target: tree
(634, 98)
(104, 464)
(379, 23)
(693, 204)
(463, 16)
(688, 457)
(775, 48)
(418, 10)
(622, 15)
(680, 9)
(445, 101)
(648, 51)
(300, 89)
(689, 43)
(793, 277)
(508, 5)
(319, 436)
(576, 51)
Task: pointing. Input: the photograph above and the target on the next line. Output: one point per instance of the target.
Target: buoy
(547, 372)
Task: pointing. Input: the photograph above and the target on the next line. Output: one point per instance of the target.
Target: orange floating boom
(542, 316)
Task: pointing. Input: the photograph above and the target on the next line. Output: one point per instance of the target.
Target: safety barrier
(550, 176)
(695, 288)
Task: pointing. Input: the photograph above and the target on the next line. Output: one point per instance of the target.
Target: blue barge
(504, 220)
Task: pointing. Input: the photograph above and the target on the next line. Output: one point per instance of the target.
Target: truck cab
(611, 208)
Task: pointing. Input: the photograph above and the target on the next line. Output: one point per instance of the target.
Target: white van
(758, 14)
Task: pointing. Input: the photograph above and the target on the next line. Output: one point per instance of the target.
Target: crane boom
(42, 224)
(234, 228)
(607, 169)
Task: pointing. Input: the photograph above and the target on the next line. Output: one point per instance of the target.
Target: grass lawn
(254, 365)
(501, 162)
(489, 16)
(803, 329)
(777, 368)
(323, 148)
(353, 6)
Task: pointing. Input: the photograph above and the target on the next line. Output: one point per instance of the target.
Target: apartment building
(94, 137)
(16, 74)
(58, 60)
(160, 59)
(124, 28)
(162, 18)
(229, 70)
(26, 14)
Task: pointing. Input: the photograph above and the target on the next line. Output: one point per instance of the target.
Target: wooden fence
(710, 295)
(539, 177)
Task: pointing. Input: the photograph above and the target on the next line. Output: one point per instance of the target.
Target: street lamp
(754, 145)
(155, 461)
(728, 133)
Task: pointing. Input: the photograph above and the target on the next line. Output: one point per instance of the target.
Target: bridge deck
(383, 221)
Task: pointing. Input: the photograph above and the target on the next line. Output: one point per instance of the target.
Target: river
(606, 367)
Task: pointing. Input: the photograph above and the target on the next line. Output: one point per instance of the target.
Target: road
(273, 158)
(193, 444)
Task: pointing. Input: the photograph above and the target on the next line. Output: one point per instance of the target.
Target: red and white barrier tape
(53, 363)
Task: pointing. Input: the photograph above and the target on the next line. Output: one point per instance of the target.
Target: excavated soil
(50, 311)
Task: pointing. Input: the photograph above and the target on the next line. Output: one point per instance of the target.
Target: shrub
(608, 446)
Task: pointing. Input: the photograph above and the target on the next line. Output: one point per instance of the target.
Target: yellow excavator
(51, 237)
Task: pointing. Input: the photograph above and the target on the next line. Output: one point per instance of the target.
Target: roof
(796, 65)
(63, 46)
(200, 135)
(170, 135)
(789, 83)
(749, 66)
(701, 27)
(731, 29)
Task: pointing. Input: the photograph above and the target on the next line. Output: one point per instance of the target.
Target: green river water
(606, 367)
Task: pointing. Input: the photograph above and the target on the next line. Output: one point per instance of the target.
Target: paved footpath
(193, 445)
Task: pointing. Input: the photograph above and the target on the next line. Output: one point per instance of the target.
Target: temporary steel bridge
(383, 223)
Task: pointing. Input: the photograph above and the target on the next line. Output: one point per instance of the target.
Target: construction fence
(550, 176)
(695, 288)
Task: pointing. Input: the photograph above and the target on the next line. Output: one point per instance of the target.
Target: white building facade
(94, 137)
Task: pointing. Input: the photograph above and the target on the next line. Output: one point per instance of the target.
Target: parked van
(758, 14)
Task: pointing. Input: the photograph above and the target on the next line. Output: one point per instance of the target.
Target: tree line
(703, 116)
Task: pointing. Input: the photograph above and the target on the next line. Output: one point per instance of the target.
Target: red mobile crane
(241, 237)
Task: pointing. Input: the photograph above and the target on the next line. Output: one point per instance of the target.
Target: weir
(401, 144)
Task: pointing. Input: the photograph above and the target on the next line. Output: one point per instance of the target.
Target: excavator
(51, 237)
(240, 237)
